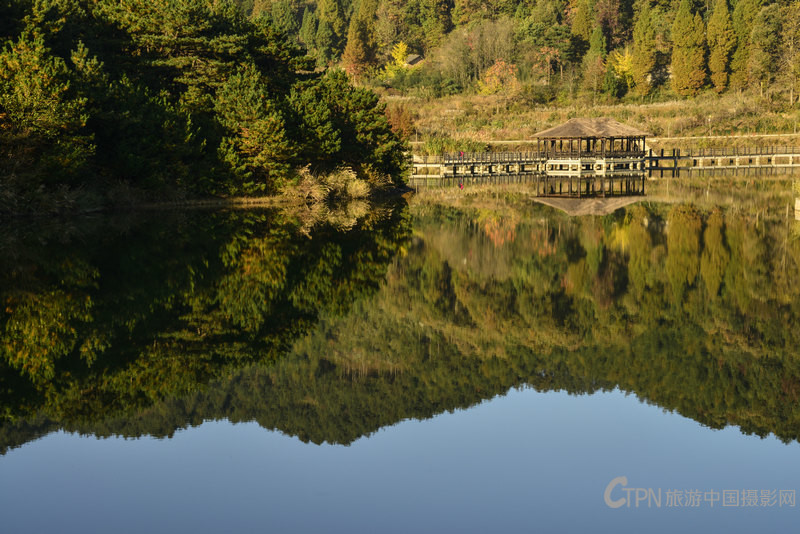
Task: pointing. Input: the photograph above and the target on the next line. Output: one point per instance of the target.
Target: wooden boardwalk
(670, 162)
(571, 173)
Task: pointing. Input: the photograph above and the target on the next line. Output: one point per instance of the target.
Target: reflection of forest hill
(694, 312)
(108, 322)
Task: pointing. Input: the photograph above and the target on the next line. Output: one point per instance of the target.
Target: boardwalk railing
(726, 152)
(524, 157)
(665, 159)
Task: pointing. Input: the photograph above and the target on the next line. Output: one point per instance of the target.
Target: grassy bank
(735, 119)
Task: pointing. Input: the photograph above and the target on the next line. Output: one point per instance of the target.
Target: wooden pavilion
(592, 146)
(594, 151)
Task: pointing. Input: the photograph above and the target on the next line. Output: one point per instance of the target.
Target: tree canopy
(166, 95)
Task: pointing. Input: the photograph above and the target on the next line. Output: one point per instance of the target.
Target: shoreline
(266, 202)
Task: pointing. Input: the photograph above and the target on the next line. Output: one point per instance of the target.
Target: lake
(401, 368)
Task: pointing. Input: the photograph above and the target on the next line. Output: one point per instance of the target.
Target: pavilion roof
(597, 127)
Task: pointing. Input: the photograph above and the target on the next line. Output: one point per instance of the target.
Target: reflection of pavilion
(592, 147)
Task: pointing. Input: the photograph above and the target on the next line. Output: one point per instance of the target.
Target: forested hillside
(596, 46)
(185, 96)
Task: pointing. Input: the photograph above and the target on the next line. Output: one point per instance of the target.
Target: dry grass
(490, 118)
(341, 184)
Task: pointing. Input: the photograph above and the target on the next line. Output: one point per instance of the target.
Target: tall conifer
(721, 40)
(644, 49)
(744, 14)
(688, 52)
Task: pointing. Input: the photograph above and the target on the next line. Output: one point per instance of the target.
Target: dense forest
(172, 97)
(597, 46)
(111, 101)
(694, 311)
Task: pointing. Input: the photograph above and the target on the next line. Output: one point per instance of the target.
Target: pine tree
(744, 13)
(594, 65)
(721, 40)
(255, 145)
(644, 49)
(331, 12)
(688, 52)
(308, 30)
(325, 42)
(361, 48)
(358, 54)
(435, 21)
(764, 46)
(42, 120)
(284, 17)
(583, 20)
(790, 48)
(597, 43)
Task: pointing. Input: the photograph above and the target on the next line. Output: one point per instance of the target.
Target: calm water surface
(425, 370)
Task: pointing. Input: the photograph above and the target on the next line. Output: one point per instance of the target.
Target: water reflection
(164, 324)
(105, 320)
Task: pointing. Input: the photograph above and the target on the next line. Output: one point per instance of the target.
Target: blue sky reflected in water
(525, 462)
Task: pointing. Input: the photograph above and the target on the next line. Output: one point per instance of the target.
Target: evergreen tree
(361, 48)
(744, 13)
(255, 145)
(325, 43)
(42, 119)
(597, 43)
(583, 20)
(284, 18)
(308, 30)
(644, 49)
(688, 52)
(332, 13)
(594, 65)
(721, 40)
(435, 21)
(260, 8)
(398, 20)
(608, 14)
(765, 46)
(790, 49)
(186, 93)
(358, 54)
(347, 125)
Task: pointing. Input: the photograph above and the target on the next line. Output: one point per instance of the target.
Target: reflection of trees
(691, 311)
(111, 322)
(694, 312)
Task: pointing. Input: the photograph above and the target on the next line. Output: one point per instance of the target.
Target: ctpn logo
(637, 496)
